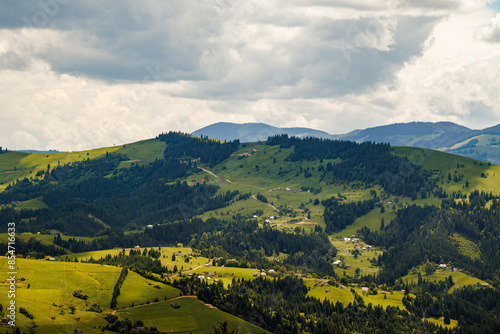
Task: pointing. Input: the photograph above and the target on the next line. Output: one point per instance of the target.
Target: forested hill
(121, 197)
(325, 218)
(208, 151)
(443, 136)
(362, 163)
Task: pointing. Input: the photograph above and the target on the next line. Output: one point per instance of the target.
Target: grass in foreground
(192, 317)
(46, 290)
(137, 290)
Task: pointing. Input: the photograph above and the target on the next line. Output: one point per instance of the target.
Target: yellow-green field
(50, 294)
(226, 274)
(372, 220)
(344, 253)
(32, 204)
(443, 163)
(345, 296)
(440, 322)
(46, 239)
(137, 290)
(166, 256)
(459, 278)
(17, 165)
(466, 247)
(192, 317)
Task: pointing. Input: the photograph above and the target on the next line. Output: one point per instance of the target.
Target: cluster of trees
(476, 309)
(419, 233)
(2, 151)
(362, 163)
(282, 306)
(117, 287)
(261, 198)
(210, 151)
(127, 326)
(34, 248)
(240, 239)
(134, 260)
(125, 198)
(339, 215)
(251, 245)
(24, 311)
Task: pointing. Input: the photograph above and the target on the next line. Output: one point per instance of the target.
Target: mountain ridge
(443, 136)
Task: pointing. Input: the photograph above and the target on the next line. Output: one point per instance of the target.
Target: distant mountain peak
(252, 132)
(444, 136)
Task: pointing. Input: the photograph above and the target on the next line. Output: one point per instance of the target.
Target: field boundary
(164, 301)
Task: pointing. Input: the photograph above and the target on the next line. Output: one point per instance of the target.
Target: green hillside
(187, 207)
(17, 165)
(192, 316)
(479, 175)
(46, 288)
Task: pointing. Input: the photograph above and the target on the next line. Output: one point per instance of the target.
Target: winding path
(187, 271)
(163, 301)
(272, 206)
(227, 180)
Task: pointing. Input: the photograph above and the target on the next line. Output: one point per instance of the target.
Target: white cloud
(101, 73)
(25, 140)
(490, 33)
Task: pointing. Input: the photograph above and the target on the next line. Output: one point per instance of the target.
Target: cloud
(80, 74)
(245, 48)
(490, 33)
(12, 61)
(25, 140)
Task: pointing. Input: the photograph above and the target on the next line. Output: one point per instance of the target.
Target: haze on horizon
(84, 74)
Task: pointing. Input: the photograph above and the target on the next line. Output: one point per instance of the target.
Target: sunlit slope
(479, 175)
(17, 165)
(45, 289)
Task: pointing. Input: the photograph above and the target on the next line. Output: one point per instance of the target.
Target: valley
(356, 227)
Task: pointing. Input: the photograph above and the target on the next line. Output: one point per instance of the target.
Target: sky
(76, 75)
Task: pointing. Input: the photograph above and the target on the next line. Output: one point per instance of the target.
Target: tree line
(209, 151)
(360, 163)
(282, 306)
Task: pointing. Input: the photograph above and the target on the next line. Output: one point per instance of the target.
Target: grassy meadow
(45, 289)
(191, 317)
(18, 165)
